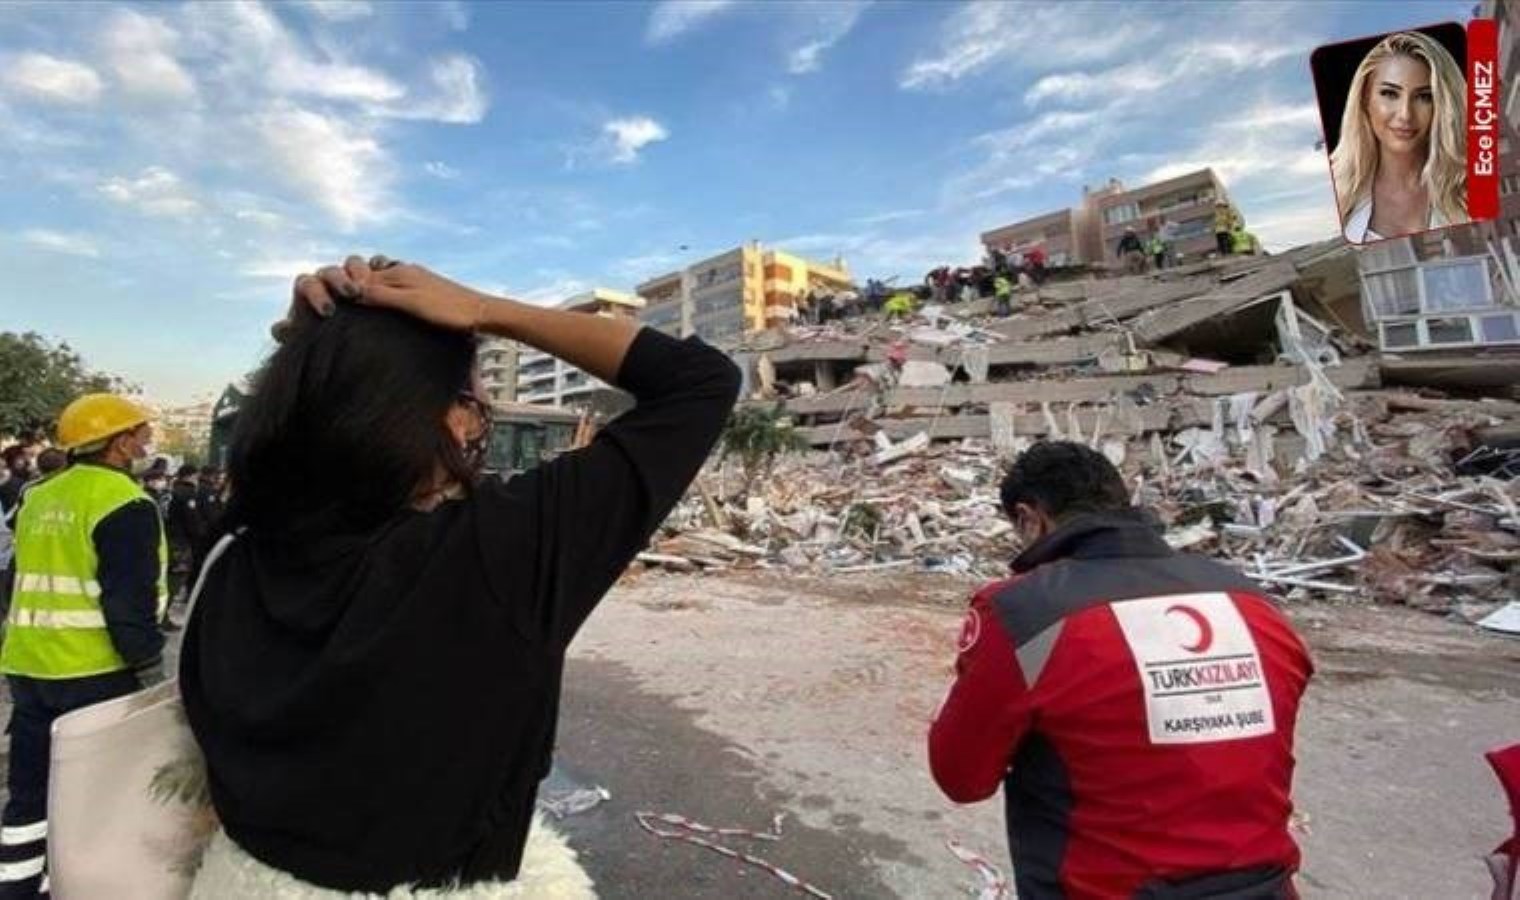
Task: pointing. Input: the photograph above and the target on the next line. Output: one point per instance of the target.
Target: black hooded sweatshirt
(378, 710)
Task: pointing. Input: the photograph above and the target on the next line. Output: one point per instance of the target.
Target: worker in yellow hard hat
(90, 563)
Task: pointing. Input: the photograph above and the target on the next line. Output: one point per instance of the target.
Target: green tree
(38, 379)
(756, 435)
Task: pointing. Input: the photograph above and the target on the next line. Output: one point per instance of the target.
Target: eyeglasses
(481, 407)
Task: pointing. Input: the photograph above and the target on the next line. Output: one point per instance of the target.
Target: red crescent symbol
(1205, 630)
(971, 631)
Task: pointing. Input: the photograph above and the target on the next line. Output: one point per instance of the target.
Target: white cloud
(139, 50)
(834, 22)
(988, 34)
(1196, 64)
(281, 268)
(61, 242)
(1276, 116)
(339, 10)
(552, 292)
(458, 94)
(894, 215)
(644, 266)
(336, 166)
(628, 136)
(440, 169)
(260, 52)
(154, 192)
(260, 217)
(50, 79)
(671, 18)
(454, 14)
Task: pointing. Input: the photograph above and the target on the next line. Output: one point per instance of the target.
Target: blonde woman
(1401, 164)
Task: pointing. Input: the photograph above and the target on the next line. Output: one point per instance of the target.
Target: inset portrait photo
(1394, 109)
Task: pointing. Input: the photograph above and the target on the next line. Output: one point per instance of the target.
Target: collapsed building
(1336, 423)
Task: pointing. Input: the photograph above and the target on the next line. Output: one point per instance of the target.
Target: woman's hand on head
(384, 283)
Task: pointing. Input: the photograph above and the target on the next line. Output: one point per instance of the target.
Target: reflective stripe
(11, 835)
(56, 584)
(21, 871)
(57, 618)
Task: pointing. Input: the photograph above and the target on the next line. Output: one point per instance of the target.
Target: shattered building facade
(1089, 233)
(1246, 399)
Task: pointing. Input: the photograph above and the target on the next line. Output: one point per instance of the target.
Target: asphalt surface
(728, 702)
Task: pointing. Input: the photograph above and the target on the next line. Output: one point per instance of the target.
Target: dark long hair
(346, 421)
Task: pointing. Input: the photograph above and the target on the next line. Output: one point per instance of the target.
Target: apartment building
(744, 289)
(541, 379)
(1089, 233)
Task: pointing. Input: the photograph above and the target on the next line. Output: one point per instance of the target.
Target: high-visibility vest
(57, 627)
(1240, 241)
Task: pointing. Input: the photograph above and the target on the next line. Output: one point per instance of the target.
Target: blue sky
(165, 171)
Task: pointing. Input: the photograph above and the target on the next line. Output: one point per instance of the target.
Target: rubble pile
(1243, 399)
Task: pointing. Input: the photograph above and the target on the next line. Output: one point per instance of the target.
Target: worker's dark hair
(345, 423)
(187, 470)
(1063, 479)
(13, 453)
(51, 460)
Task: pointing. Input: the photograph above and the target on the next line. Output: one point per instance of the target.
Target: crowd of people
(189, 503)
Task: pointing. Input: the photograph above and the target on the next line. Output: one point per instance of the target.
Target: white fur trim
(549, 872)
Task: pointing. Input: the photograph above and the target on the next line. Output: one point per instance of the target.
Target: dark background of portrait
(1334, 65)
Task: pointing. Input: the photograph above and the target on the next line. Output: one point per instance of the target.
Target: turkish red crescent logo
(971, 631)
(1205, 630)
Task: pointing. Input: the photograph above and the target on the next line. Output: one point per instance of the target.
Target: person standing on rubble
(1002, 293)
(1224, 226)
(1131, 252)
(1137, 705)
(373, 667)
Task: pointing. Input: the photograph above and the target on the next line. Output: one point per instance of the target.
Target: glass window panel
(1454, 287)
(1450, 331)
(1393, 293)
(1501, 328)
(1402, 334)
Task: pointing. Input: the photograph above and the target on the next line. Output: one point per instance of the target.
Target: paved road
(729, 700)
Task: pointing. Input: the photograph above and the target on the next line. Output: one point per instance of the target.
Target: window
(1124, 212)
(1456, 330)
(1502, 328)
(1456, 286)
(1395, 293)
(1178, 202)
(1509, 184)
(1194, 228)
(1401, 334)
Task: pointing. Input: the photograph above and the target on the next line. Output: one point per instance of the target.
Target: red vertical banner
(1483, 119)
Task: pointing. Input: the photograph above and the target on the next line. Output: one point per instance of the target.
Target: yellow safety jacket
(57, 627)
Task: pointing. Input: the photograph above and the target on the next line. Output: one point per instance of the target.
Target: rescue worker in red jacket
(1137, 705)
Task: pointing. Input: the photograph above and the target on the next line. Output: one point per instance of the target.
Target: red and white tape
(994, 884)
(684, 829)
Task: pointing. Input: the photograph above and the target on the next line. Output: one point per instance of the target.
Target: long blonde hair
(1355, 159)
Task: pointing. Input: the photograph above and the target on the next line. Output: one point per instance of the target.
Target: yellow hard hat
(95, 417)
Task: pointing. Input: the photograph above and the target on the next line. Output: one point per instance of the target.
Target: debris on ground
(1242, 399)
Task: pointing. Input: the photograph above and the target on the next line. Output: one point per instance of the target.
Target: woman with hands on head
(373, 668)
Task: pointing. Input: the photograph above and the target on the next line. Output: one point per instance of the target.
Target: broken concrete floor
(758, 693)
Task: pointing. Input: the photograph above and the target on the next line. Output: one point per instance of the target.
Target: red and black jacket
(1138, 707)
